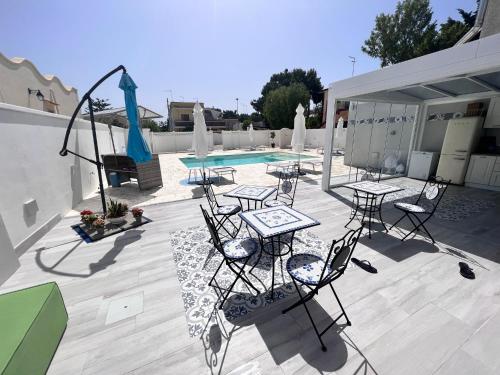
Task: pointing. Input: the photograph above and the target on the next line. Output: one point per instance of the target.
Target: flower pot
(100, 230)
(138, 219)
(273, 145)
(117, 220)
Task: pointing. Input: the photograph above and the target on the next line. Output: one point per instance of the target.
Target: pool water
(242, 159)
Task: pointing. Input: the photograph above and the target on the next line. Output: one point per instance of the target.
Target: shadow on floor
(108, 259)
(285, 336)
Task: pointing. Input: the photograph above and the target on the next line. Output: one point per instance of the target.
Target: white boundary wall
(32, 171)
(162, 142)
(234, 139)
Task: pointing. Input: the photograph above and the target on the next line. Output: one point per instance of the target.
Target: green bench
(32, 323)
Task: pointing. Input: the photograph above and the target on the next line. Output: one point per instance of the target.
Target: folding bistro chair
(285, 193)
(424, 207)
(236, 254)
(313, 272)
(221, 213)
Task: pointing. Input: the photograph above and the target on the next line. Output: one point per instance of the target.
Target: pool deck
(174, 172)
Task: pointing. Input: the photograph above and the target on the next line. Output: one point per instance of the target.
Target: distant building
(23, 85)
(180, 118)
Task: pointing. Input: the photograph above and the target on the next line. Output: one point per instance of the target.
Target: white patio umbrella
(200, 135)
(251, 135)
(339, 131)
(299, 131)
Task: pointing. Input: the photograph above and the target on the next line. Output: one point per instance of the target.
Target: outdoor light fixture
(38, 94)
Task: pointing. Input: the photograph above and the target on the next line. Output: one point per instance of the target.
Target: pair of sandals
(465, 269)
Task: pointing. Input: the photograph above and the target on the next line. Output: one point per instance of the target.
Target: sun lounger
(279, 166)
(220, 171)
(313, 162)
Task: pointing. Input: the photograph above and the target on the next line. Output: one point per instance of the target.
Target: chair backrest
(339, 256)
(209, 193)
(287, 184)
(432, 193)
(368, 174)
(213, 231)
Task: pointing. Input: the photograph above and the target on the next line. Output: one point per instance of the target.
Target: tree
(151, 125)
(281, 103)
(229, 114)
(99, 105)
(452, 30)
(243, 116)
(256, 117)
(246, 123)
(163, 125)
(411, 32)
(308, 78)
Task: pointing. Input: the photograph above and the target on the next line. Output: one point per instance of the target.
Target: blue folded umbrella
(137, 148)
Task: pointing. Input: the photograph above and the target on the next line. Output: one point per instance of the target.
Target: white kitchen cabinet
(480, 169)
(493, 116)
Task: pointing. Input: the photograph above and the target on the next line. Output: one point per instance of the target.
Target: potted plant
(99, 224)
(116, 212)
(272, 135)
(87, 217)
(137, 213)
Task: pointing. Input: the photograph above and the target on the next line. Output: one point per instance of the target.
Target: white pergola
(466, 72)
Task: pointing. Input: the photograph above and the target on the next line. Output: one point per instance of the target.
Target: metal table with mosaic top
(250, 193)
(276, 227)
(374, 194)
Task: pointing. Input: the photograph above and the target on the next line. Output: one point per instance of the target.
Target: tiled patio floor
(174, 172)
(417, 315)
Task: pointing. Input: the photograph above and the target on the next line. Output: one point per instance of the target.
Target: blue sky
(211, 50)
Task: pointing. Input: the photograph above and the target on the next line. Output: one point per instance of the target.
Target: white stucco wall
(31, 169)
(17, 75)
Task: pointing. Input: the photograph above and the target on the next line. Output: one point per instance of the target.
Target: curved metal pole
(86, 96)
(64, 151)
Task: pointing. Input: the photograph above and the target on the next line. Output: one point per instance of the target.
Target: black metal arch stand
(97, 162)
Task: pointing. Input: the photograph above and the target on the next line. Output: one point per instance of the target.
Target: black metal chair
(236, 254)
(285, 193)
(363, 202)
(313, 272)
(424, 207)
(221, 213)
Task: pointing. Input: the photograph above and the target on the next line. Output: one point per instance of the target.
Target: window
(184, 117)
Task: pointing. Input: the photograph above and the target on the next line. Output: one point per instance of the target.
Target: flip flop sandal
(364, 264)
(466, 271)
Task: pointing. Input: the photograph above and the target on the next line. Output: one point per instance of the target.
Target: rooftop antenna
(353, 60)
(237, 99)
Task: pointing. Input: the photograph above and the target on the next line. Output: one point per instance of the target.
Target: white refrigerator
(461, 137)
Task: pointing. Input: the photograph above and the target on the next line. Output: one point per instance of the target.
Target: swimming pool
(241, 159)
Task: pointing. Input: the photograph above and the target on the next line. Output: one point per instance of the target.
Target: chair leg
(238, 276)
(340, 304)
(303, 302)
(421, 224)
(215, 274)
